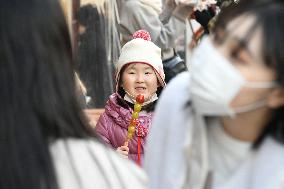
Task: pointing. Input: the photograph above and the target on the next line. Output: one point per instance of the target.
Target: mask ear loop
(262, 85)
(256, 85)
(258, 104)
(250, 107)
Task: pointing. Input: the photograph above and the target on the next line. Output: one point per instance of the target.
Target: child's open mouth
(140, 89)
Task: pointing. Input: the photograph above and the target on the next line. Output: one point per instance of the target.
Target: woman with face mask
(222, 124)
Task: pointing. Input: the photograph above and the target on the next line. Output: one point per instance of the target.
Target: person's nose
(140, 78)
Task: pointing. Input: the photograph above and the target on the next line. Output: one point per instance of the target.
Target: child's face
(139, 78)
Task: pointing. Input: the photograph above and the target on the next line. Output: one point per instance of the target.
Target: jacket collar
(122, 115)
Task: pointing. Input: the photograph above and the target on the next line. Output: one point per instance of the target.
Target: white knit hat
(141, 50)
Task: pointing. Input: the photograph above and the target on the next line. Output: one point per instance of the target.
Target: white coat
(176, 155)
(88, 164)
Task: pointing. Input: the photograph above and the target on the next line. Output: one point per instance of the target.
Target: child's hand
(123, 150)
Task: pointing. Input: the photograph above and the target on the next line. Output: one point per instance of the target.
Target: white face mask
(132, 99)
(215, 82)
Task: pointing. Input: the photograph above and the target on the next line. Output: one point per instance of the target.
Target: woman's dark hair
(269, 16)
(38, 100)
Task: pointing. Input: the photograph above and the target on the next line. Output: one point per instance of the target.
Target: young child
(139, 71)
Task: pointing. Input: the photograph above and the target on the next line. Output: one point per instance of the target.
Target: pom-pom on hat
(141, 50)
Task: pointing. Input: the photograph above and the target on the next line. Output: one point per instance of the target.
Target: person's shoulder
(131, 3)
(91, 159)
(275, 149)
(264, 167)
(269, 164)
(113, 102)
(137, 7)
(172, 104)
(113, 96)
(178, 88)
(182, 80)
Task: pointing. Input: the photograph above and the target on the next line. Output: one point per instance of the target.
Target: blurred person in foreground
(221, 126)
(45, 142)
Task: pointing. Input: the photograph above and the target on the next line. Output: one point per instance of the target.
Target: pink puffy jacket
(113, 123)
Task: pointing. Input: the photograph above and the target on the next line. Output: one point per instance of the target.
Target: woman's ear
(276, 98)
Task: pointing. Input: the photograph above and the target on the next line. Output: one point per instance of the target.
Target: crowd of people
(218, 124)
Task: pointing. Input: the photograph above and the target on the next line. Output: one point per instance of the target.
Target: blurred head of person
(38, 98)
(240, 69)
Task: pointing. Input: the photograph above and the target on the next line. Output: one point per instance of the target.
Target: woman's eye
(234, 55)
(239, 53)
(236, 59)
(148, 73)
(241, 58)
